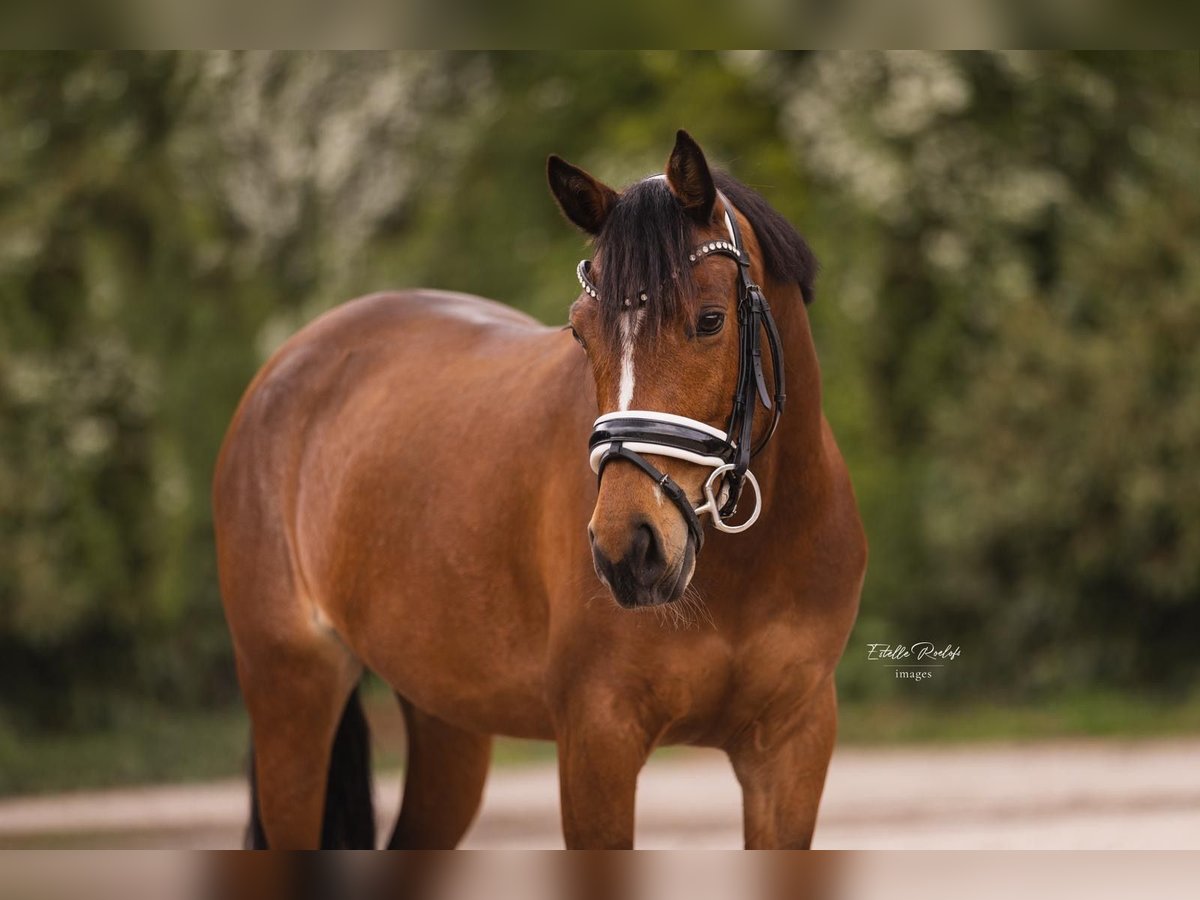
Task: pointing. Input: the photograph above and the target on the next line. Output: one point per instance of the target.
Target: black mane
(786, 254)
(647, 237)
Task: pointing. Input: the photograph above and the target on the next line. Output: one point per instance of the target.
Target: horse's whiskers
(694, 602)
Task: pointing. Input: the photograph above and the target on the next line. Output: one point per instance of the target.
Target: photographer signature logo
(916, 662)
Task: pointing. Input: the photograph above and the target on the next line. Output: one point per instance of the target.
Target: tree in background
(1030, 304)
(167, 219)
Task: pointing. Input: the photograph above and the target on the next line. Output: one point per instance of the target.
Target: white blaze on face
(630, 323)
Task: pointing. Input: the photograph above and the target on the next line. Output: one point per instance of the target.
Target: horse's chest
(719, 687)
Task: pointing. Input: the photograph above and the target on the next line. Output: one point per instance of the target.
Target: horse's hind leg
(443, 783)
(296, 693)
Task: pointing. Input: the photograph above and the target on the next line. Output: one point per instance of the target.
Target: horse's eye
(578, 339)
(710, 322)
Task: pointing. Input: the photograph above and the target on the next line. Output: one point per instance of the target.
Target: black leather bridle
(632, 435)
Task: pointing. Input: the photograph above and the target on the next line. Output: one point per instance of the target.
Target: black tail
(349, 822)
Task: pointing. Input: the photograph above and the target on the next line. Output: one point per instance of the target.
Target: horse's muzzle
(643, 576)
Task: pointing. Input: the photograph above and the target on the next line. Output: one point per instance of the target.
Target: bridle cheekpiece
(633, 435)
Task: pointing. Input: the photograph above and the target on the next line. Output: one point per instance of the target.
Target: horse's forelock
(644, 249)
(648, 236)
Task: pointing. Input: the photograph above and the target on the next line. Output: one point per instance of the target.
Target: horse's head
(659, 321)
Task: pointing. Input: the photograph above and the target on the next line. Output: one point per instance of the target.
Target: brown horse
(405, 488)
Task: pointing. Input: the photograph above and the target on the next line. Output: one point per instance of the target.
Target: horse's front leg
(601, 749)
(781, 765)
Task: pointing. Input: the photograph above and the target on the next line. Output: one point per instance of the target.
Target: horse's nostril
(646, 557)
(635, 576)
(643, 539)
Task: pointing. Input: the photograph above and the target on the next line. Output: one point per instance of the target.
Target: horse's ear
(690, 180)
(584, 200)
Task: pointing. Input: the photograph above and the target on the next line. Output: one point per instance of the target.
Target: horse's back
(394, 311)
(380, 336)
(401, 324)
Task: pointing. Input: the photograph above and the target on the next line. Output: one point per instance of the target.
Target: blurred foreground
(601, 876)
(1050, 796)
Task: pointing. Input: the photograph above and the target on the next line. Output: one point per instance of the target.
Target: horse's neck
(793, 466)
(794, 472)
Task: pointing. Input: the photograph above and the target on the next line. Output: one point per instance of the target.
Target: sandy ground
(1057, 796)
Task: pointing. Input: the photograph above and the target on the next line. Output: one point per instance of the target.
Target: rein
(633, 435)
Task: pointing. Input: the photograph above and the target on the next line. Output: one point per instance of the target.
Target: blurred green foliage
(1007, 319)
